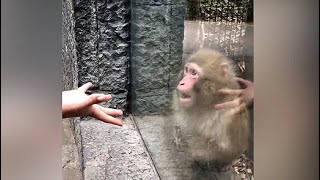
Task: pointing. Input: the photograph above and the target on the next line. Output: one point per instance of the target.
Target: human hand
(75, 103)
(245, 97)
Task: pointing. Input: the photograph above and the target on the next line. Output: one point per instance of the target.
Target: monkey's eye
(193, 72)
(186, 69)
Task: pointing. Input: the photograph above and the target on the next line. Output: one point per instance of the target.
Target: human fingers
(94, 99)
(237, 110)
(100, 115)
(110, 111)
(231, 91)
(103, 98)
(243, 81)
(230, 104)
(85, 87)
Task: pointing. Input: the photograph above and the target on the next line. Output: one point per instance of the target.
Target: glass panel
(219, 25)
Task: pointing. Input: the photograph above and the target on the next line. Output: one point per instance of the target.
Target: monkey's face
(191, 74)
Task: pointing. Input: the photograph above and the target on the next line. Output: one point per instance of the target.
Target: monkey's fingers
(110, 111)
(231, 91)
(230, 104)
(85, 87)
(100, 115)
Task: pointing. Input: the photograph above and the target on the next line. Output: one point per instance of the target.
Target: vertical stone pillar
(69, 56)
(157, 43)
(86, 38)
(102, 35)
(71, 147)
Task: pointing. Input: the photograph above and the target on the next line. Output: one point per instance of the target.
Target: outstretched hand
(245, 97)
(76, 103)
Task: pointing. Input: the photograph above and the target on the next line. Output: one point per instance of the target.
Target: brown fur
(215, 136)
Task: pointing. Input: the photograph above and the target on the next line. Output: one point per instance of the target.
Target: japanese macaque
(220, 135)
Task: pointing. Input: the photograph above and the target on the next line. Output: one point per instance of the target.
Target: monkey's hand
(75, 103)
(244, 97)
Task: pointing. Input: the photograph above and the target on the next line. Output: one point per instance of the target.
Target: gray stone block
(103, 36)
(150, 29)
(71, 161)
(157, 45)
(86, 38)
(173, 82)
(146, 79)
(114, 48)
(157, 92)
(69, 56)
(155, 104)
(176, 37)
(157, 2)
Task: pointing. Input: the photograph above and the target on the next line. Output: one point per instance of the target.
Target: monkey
(216, 135)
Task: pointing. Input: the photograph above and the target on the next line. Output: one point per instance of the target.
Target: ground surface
(71, 165)
(143, 149)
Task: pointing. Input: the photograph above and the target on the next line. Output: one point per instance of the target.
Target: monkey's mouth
(185, 98)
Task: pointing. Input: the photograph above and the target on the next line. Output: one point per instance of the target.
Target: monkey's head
(204, 73)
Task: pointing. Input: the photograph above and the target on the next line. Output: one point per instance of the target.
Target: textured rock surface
(103, 36)
(112, 152)
(157, 37)
(69, 56)
(71, 161)
(86, 38)
(157, 2)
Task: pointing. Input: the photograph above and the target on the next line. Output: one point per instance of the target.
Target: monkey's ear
(225, 69)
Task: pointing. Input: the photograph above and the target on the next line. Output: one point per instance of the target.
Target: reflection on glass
(223, 28)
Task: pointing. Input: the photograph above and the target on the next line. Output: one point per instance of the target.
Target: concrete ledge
(112, 152)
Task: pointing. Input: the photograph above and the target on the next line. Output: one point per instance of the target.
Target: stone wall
(103, 48)
(99, 46)
(69, 56)
(130, 49)
(71, 146)
(157, 43)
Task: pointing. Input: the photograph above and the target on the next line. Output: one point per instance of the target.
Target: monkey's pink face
(191, 74)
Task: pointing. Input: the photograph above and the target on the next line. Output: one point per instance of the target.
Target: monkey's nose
(181, 83)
